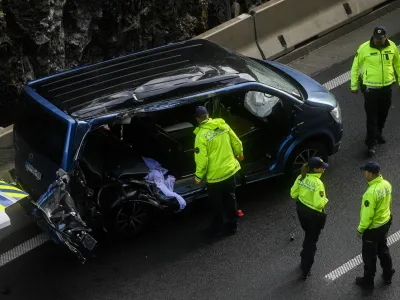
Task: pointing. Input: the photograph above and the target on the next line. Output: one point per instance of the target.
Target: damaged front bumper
(57, 215)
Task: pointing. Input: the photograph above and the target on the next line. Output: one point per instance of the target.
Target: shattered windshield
(271, 78)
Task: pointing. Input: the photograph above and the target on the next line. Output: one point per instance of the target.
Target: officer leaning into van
(375, 221)
(379, 60)
(218, 151)
(309, 191)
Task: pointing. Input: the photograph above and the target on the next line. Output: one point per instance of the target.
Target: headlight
(336, 114)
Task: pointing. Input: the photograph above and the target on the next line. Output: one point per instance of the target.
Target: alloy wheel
(303, 158)
(130, 219)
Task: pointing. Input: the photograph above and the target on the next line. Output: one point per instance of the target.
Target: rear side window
(44, 133)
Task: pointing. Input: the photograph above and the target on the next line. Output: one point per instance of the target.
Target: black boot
(388, 279)
(305, 270)
(381, 140)
(305, 275)
(231, 228)
(365, 283)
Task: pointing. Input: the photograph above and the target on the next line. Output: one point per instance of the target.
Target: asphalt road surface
(176, 261)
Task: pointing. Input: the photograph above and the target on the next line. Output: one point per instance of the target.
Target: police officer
(375, 221)
(379, 60)
(217, 149)
(309, 191)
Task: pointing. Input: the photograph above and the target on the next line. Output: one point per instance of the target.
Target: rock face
(41, 37)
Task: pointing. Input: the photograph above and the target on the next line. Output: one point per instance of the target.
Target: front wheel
(129, 219)
(302, 154)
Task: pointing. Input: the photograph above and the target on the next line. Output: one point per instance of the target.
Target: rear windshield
(43, 132)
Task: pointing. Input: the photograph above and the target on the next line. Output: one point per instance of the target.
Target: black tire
(301, 155)
(128, 220)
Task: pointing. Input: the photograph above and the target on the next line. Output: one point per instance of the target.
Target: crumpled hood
(211, 124)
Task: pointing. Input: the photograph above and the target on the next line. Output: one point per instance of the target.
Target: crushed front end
(57, 215)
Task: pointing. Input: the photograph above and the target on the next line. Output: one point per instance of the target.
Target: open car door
(262, 122)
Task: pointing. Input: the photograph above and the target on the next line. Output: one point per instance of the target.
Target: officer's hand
(241, 157)
(354, 91)
(359, 234)
(196, 181)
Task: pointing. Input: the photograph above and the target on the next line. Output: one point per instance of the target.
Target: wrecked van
(110, 145)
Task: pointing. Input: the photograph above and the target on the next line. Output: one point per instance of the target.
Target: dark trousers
(377, 104)
(223, 200)
(374, 243)
(312, 223)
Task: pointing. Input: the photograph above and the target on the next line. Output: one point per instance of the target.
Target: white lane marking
(338, 81)
(351, 264)
(23, 248)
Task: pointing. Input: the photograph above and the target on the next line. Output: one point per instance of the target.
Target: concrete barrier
(236, 34)
(363, 7)
(6, 152)
(6, 137)
(284, 24)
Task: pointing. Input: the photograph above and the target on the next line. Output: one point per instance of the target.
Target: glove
(241, 157)
(359, 234)
(196, 181)
(354, 91)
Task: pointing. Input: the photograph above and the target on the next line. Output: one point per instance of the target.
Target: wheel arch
(323, 138)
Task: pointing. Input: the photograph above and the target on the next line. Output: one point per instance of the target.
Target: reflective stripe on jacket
(376, 202)
(378, 66)
(218, 146)
(310, 191)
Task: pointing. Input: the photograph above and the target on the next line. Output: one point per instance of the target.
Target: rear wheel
(302, 154)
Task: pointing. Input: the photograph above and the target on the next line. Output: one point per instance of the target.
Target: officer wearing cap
(309, 191)
(375, 221)
(379, 60)
(218, 150)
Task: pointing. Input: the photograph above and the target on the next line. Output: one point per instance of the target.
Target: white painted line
(23, 248)
(338, 81)
(351, 264)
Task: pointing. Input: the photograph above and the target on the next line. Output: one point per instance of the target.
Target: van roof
(178, 69)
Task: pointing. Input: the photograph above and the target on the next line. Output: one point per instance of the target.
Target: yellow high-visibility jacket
(310, 191)
(376, 202)
(217, 148)
(378, 66)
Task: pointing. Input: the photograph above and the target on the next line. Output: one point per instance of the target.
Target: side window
(260, 104)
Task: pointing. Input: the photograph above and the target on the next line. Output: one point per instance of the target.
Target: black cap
(317, 162)
(379, 32)
(201, 111)
(372, 167)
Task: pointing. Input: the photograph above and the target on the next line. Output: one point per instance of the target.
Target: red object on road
(240, 213)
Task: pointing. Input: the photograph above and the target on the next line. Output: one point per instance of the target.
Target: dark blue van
(84, 138)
